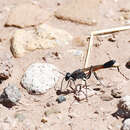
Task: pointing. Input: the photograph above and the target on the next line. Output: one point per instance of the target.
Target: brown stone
(25, 15)
(79, 11)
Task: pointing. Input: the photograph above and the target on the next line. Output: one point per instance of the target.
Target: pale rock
(11, 95)
(21, 41)
(124, 105)
(39, 77)
(126, 124)
(42, 37)
(24, 15)
(51, 111)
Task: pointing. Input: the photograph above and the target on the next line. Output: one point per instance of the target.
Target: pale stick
(111, 30)
(101, 32)
(88, 51)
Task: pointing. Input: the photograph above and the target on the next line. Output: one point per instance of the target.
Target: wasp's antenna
(59, 72)
(59, 91)
(62, 79)
(122, 73)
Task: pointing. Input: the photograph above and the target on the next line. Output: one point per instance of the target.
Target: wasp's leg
(86, 90)
(80, 86)
(80, 90)
(61, 84)
(68, 84)
(59, 91)
(71, 86)
(98, 78)
(85, 93)
(121, 73)
(75, 90)
(89, 73)
(70, 106)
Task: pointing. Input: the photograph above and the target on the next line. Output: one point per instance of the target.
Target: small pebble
(97, 89)
(111, 39)
(96, 112)
(48, 104)
(128, 65)
(51, 111)
(116, 93)
(57, 55)
(73, 115)
(43, 120)
(58, 4)
(61, 99)
(106, 97)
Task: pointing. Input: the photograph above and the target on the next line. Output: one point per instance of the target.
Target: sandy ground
(95, 114)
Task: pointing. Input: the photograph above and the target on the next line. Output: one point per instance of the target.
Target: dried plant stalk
(88, 51)
(101, 32)
(111, 30)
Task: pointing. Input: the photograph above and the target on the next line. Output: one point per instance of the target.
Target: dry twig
(101, 32)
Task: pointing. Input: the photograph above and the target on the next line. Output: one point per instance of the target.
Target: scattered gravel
(5, 67)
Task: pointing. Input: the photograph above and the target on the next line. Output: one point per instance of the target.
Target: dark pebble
(128, 65)
(61, 99)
